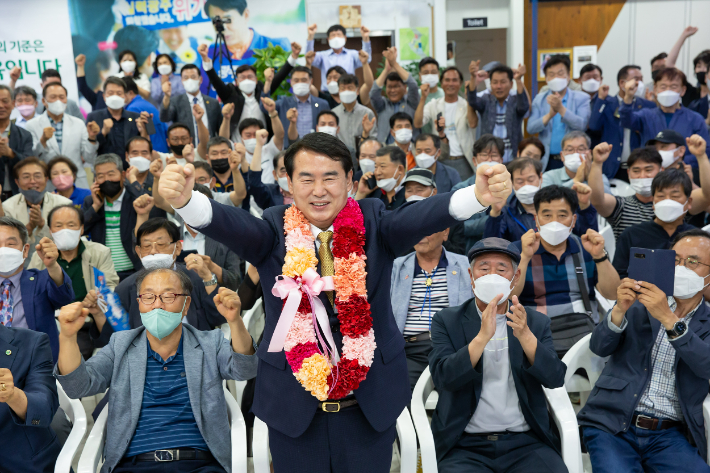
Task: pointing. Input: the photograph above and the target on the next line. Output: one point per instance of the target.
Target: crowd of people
(456, 223)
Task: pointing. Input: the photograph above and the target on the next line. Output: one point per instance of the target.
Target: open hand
(518, 319)
(488, 319)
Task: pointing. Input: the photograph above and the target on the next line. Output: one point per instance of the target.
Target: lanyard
(518, 221)
(427, 294)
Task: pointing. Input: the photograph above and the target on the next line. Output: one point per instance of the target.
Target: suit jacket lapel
(28, 281)
(8, 351)
(191, 118)
(452, 282)
(137, 361)
(192, 357)
(515, 358)
(208, 106)
(471, 322)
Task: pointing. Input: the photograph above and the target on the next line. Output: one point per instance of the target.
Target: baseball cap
(494, 245)
(423, 176)
(667, 136)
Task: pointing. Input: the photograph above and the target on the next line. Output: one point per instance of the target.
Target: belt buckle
(328, 409)
(159, 457)
(639, 417)
(492, 437)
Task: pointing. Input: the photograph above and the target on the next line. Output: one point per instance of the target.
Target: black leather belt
(454, 158)
(420, 337)
(174, 455)
(335, 406)
(651, 423)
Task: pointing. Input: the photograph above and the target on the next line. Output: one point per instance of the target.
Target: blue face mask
(161, 323)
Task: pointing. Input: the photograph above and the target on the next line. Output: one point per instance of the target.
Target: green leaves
(274, 57)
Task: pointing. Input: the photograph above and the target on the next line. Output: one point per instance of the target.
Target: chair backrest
(609, 241)
(94, 446)
(76, 414)
(422, 391)
(581, 357)
(253, 317)
(621, 188)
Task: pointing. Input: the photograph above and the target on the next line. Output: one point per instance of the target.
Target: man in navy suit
(490, 359)
(29, 297)
(651, 392)
(355, 433)
(28, 401)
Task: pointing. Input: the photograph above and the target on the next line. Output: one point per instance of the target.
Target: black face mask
(701, 77)
(177, 149)
(220, 166)
(110, 188)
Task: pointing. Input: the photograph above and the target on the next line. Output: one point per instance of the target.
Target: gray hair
(109, 158)
(515, 265)
(9, 91)
(185, 283)
(16, 224)
(571, 135)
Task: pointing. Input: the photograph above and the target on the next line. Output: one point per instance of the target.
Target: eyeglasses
(580, 150)
(160, 246)
(224, 153)
(166, 298)
(690, 263)
(179, 140)
(486, 157)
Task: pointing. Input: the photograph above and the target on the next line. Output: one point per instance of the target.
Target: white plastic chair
(621, 188)
(76, 414)
(405, 432)
(581, 357)
(557, 401)
(253, 321)
(94, 447)
(609, 241)
(706, 416)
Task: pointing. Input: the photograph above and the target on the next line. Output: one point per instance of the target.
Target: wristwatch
(678, 329)
(211, 282)
(602, 259)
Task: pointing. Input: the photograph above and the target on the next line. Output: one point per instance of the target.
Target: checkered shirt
(58, 128)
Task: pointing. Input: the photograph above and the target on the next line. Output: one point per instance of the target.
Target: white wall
(644, 28)
(495, 10)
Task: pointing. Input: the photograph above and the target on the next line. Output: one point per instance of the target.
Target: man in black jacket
(15, 143)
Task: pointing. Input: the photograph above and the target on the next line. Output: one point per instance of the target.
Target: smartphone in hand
(439, 128)
(654, 266)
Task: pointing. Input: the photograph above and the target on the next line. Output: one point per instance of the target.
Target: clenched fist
(7, 385)
(176, 184)
(71, 319)
(143, 204)
(47, 135)
(202, 50)
(229, 305)
(493, 184)
(108, 124)
(292, 115)
(47, 251)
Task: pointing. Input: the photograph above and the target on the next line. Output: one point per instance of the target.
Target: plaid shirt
(58, 127)
(660, 398)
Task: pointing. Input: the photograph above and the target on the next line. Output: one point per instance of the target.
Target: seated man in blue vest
(490, 359)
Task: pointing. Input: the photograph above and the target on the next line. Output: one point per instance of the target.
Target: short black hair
(590, 68)
(520, 164)
(187, 67)
(647, 154)
(395, 153)
(451, 68)
(239, 5)
(245, 67)
(393, 76)
(556, 59)
(177, 125)
(139, 138)
(204, 165)
(502, 69)
(335, 28)
(428, 136)
(62, 159)
(321, 143)
(65, 206)
(671, 178)
(247, 122)
(328, 112)
(275, 159)
(695, 232)
(487, 141)
(401, 116)
(337, 69)
(428, 60)
(346, 79)
(702, 56)
(11, 222)
(302, 69)
(658, 57)
(25, 90)
(203, 189)
(624, 72)
(218, 140)
(153, 225)
(555, 192)
(166, 56)
(53, 84)
(51, 73)
(115, 81)
(130, 85)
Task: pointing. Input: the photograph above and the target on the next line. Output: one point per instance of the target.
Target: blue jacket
(458, 283)
(159, 139)
(386, 390)
(576, 117)
(287, 102)
(265, 195)
(605, 119)
(649, 121)
(32, 443)
(40, 298)
(614, 398)
(459, 383)
(514, 221)
(446, 177)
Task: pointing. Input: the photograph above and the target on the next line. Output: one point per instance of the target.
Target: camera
(218, 23)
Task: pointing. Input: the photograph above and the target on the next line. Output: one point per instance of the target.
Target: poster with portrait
(545, 54)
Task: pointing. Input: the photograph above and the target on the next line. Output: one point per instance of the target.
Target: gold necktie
(327, 266)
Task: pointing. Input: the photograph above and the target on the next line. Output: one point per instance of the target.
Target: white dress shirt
(251, 109)
(189, 242)
(201, 102)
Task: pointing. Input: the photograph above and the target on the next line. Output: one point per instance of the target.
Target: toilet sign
(475, 22)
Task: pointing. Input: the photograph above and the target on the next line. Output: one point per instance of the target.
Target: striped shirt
(121, 261)
(629, 211)
(166, 419)
(426, 300)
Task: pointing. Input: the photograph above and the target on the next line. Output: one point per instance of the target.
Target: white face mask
(66, 239)
(558, 84)
(526, 194)
(387, 184)
(283, 183)
(10, 260)
(302, 88)
(57, 107)
(140, 163)
(403, 135)
(191, 85)
(128, 66)
(332, 87)
(159, 261)
(431, 79)
(331, 130)
(591, 85)
(348, 96)
(668, 157)
(115, 102)
(415, 198)
(247, 86)
(640, 90)
(668, 98)
(573, 161)
(555, 233)
(425, 160)
(336, 43)
(165, 69)
(489, 286)
(250, 145)
(687, 283)
(642, 186)
(669, 210)
(367, 165)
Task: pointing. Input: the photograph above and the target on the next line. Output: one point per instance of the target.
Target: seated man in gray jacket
(166, 402)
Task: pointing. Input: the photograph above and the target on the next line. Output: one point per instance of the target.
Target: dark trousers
(640, 450)
(417, 354)
(519, 452)
(124, 274)
(337, 442)
(554, 162)
(127, 465)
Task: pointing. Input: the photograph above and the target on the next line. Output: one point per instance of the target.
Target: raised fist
(80, 60)
(176, 184)
(202, 50)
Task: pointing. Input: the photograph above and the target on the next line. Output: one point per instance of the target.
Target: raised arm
(419, 114)
(224, 91)
(203, 134)
(156, 169)
(608, 279)
(603, 202)
(675, 50)
(83, 86)
(318, 59)
(270, 106)
(224, 128)
(237, 160)
(701, 196)
(367, 76)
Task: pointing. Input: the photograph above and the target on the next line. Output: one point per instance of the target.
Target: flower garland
(313, 369)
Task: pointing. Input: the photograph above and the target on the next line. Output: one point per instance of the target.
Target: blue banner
(160, 14)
